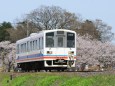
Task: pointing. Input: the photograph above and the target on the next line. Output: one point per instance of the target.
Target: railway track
(79, 73)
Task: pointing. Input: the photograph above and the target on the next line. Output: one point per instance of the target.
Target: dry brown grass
(1, 69)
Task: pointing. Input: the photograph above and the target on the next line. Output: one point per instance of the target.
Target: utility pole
(27, 23)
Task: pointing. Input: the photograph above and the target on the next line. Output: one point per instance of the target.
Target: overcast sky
(10, 10)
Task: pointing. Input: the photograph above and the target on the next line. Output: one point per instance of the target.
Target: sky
(10, 10)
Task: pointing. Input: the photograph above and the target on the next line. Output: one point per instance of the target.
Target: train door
(60, 44)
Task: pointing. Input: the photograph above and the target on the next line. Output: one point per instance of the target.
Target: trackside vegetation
(56, 79)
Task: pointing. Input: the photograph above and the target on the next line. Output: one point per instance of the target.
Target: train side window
(17, 49)
(39, 43)
(24, 47)
(35, 44)
(31, 46)
(42, 43)
(21, 48)
(27, 46)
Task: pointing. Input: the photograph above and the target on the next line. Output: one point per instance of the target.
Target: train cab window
(50, 39)
(70, 40)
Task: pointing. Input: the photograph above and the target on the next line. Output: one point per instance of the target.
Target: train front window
(50, 39)
(70, 40)
(60, 41)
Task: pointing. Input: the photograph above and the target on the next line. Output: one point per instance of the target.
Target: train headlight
(49, 52)
(71, 52)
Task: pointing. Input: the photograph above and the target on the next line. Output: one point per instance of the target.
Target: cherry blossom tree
(7, 55)
(94, 52)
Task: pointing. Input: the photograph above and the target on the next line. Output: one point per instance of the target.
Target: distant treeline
(53, 17)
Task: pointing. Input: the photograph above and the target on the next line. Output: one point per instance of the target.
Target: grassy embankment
(56, 79)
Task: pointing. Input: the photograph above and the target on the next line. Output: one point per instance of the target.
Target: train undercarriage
(47, 65)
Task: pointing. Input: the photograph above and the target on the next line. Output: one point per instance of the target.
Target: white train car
(47, 50)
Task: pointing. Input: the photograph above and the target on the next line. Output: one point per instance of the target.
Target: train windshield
(50, 39)
(70, 40)
(60, 39)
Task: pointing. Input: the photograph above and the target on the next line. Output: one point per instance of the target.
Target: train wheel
(58, 70)
(35, 70)
(62, 70)
(38, 70)
(46, 70)
(49, 70)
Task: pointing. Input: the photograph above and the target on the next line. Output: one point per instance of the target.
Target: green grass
(104, 80)
(4, 77)
(47, 81)
(78, 81)
(19, 80)
(56, 79)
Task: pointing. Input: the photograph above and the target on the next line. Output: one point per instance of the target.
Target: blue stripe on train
(30, 56)
(35, 55)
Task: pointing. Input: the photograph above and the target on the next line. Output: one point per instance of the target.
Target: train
(47, 50)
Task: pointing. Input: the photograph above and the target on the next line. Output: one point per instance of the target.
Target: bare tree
(46, 18)
(21, 30)
(104, 29)
(87, 27)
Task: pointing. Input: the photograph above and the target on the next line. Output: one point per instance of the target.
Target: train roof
(59, 30)
(32, 35)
